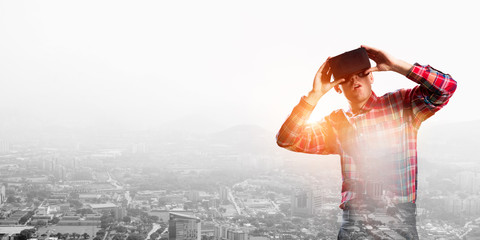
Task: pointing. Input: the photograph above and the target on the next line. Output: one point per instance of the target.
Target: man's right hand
(322, 83)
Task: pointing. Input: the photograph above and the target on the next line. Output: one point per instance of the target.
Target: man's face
(357, 87)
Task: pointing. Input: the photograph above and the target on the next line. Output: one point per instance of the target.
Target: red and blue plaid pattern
(378, 144)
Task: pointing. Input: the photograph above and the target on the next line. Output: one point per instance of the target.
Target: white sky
(142, 63)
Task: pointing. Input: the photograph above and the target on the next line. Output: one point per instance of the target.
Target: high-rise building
(3, 196)
(468, 181)
(193, 196)
(306, 202)
(471, 205)
(139, 148)
(237, 235)
(4, 146)
(453, 204)
(224, 194)
(230, 232)
(374, 189)
(183, 227)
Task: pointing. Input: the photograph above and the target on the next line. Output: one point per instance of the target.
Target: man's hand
(322, 83)
(385, 62)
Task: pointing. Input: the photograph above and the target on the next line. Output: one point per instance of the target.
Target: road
(113, 182)
(232, 199)
(155, 227)
(469, 228)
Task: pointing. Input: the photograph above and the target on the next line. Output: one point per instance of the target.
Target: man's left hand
(385, 62)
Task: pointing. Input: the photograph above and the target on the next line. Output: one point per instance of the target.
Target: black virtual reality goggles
(348, 63)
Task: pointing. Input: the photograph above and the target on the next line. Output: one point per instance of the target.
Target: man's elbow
(283, 141)
(450, 86)
(279, 141)
(446, 93)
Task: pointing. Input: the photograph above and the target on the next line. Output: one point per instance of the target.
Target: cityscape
(224, 185)
(157, 120)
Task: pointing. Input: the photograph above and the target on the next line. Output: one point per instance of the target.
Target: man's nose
(352, 78)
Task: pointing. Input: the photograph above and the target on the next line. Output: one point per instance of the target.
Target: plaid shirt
(378, 144)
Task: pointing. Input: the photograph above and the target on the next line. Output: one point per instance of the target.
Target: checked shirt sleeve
(433, 92)
(296, 135)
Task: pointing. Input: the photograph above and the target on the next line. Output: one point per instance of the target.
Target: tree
(85, 236)
(100, 232)
(117, 237)
(271, 196)
(153, 218)
(105, 222)
(41, 223)
(127, 219)
(26, 217)
(154, 236)
(11, 199)
(84, 211)
(26, 234)
(75, 203)
(121, 229)
(135, 236)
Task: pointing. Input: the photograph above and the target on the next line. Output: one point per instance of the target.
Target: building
(230, 232)
(183, 227)
(306, 202)
(139, 148)
(4, 146)
(471, 205)
(193, 196)
(223, 194)
(3, 195)
(164, 214)
(453, 204)
(468, 181)
(237, 235)
(374, 189)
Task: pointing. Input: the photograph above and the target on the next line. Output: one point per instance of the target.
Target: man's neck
(356, 106)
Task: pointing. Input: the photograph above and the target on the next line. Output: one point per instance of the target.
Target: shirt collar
(367, 106)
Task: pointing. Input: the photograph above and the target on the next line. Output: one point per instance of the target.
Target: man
(376, 140)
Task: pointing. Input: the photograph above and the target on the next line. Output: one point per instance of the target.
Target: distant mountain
(454, 141)
(194, 126)
(246, 139)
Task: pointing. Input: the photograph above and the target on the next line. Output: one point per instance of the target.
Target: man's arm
(296, 135)
(433, 92)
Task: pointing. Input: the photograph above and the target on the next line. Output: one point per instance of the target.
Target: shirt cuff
(305, 105)
(414, 73)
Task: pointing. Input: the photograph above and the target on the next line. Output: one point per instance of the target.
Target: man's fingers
(338, 81)
(372, 69)
(372, 52)
(370, 49)
(322, 68)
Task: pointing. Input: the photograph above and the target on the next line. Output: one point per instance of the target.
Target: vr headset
(351, 62)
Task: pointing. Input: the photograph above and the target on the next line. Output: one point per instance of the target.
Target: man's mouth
(356, 86)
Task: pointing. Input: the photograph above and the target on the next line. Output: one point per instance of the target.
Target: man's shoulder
(398, 92)
(395, 97)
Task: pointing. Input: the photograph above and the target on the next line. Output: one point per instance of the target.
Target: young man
(376, 140)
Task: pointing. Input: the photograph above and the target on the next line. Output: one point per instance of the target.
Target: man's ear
(370, 77)
(337, 89)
